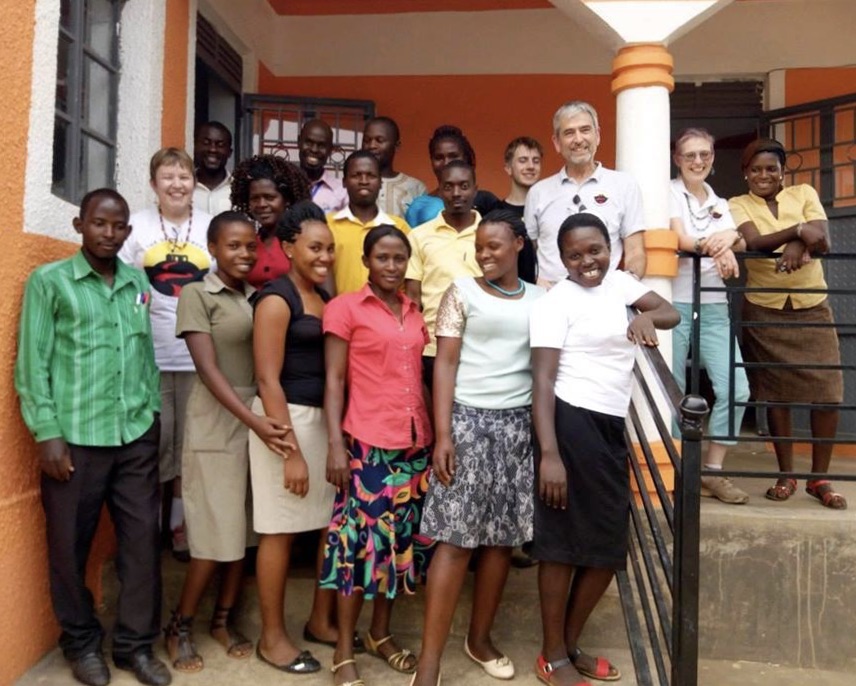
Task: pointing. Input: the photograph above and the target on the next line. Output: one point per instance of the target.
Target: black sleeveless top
(302, 375)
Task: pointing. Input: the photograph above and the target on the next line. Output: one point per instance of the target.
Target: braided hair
(527, 261)
(291, 222)
(453, 133)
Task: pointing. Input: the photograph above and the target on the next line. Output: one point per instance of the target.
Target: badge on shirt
(600, 198)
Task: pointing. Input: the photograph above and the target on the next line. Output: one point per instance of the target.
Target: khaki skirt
(793, 344)
(215, 468)
(276, 510)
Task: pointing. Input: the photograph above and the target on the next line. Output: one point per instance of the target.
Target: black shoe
(145, 666)
(91, 669)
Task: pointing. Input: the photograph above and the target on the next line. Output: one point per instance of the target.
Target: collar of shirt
(711, 196)
(225, 182)
(595, 175)
(407, 305)
(81, 269)
(212, 283)
(442, 224)
(324, 180)
(381, 218)
(758, 200)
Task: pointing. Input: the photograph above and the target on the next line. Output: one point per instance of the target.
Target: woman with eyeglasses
(791, 327)
(704, 225)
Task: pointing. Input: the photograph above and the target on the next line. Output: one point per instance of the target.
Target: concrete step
(777, 579)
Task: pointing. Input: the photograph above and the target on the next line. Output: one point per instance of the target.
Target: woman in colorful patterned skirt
(378, 456)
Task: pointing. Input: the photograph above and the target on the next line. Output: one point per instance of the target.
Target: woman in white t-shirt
(582, 365)
(704, 225)
(170, 244)
(482, 489)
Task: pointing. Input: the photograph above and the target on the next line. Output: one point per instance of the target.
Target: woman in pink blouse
(378, 456)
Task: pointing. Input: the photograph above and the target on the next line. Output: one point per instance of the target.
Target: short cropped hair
(166, 157)
(569, 109)
(526, 142)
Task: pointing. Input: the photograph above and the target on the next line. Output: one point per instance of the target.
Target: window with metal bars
(86, 103)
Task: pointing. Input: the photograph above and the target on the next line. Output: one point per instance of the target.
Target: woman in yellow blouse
(792, 222)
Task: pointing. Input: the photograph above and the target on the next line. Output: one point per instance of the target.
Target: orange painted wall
(27, 627)
(805, 85)
(175, 73)
(491, 110)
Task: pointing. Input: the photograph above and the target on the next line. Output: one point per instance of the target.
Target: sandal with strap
(783, 490)
(335, 668)
(402, 661)
(178, 636)
(822, 490)
(604, 670)
(236, 644)
(544, 670)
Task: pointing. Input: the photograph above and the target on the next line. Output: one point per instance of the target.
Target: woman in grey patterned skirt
(481, 491)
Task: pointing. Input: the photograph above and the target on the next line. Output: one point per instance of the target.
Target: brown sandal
(182, 653)
(401, 661)
(783, 489)
(236, 644)
(822, 490)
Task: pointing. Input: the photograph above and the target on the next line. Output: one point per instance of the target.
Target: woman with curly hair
(265, 186)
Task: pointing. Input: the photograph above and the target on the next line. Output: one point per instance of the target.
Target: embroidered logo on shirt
(600, 198)
(716, 215)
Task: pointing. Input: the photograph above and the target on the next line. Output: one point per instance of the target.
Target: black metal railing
(737, 326)
(659, 589)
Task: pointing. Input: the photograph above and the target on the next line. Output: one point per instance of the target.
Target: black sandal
(178, 636)
(236, 644)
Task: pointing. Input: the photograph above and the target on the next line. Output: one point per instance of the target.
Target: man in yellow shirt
(444, 249)
(351, 224)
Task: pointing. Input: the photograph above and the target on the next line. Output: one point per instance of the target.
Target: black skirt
(593, 530)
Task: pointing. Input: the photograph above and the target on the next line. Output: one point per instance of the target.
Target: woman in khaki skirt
(291, 493)
(792, 222)
(215, 320)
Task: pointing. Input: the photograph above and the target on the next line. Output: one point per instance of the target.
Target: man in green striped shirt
(90, 395)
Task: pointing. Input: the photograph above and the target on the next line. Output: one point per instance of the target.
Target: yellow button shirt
(349, 233)
(441, 254)
(796, 204)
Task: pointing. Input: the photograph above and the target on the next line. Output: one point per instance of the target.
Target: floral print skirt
(373, 543)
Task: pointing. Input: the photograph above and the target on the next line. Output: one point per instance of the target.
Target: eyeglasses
(704, 156)
(578, 204)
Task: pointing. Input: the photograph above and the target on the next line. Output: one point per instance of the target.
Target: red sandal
(822, 490)
(544, 670)
(604, 670)
(783, 490)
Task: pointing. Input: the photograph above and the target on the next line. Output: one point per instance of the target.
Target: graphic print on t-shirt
(170, 267)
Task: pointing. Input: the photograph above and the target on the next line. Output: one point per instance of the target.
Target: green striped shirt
(86, 369)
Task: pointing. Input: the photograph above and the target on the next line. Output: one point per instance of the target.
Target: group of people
(417, 375)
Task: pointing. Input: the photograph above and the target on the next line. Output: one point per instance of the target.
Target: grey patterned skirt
(491, 498)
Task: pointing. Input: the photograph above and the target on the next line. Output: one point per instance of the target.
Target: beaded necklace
(695, 219)
(173, 242)
(520, 287)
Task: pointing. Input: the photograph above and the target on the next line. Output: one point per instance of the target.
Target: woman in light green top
(481, 491)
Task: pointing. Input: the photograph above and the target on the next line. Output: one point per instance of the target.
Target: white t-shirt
(700, 220)
(398, 192)
(589, 326)
(495, 368)
(613, 196)
(170, 263)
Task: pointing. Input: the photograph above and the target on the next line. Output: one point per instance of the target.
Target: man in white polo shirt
(584, 185)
